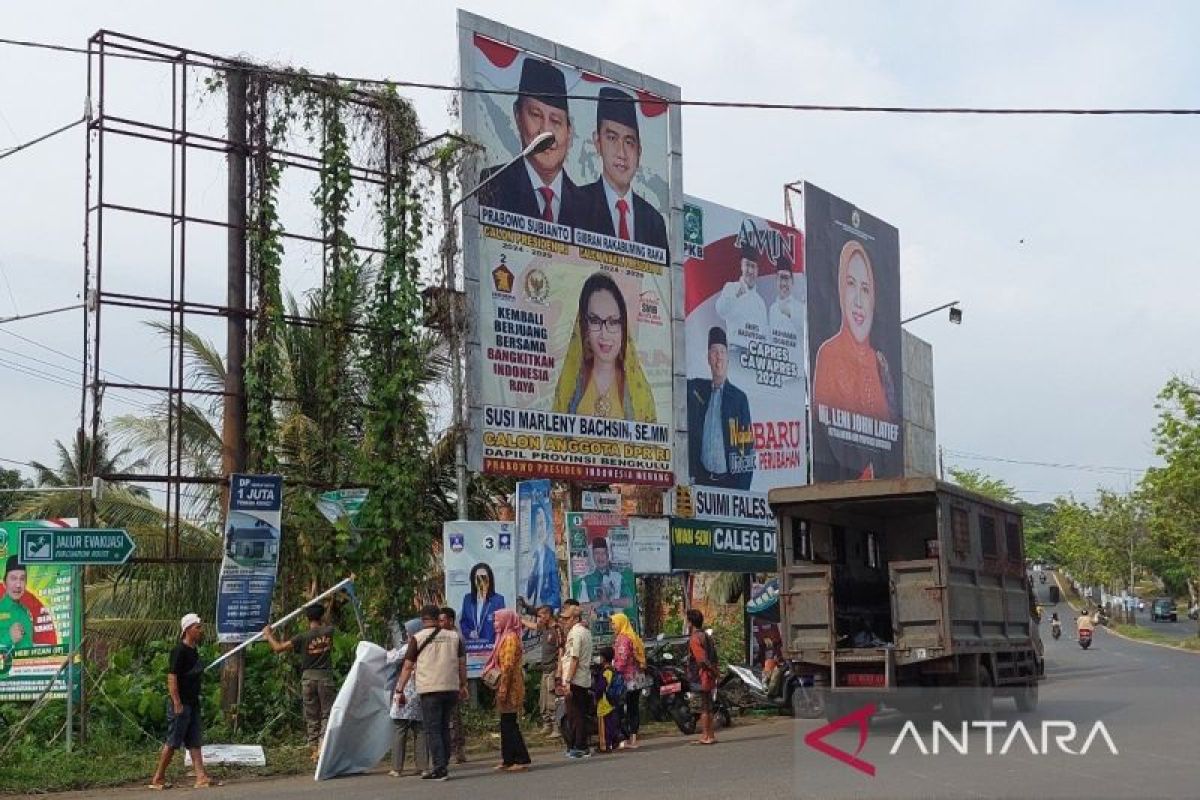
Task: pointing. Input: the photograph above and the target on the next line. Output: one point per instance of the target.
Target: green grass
(1147, 635)
(106, 763)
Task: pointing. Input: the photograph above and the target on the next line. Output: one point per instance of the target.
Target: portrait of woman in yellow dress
(602, 375)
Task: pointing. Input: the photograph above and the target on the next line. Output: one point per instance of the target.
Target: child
(608, 688)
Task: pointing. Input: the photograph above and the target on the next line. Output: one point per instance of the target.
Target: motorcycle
(1056, 629)
(666, 698)
(1085, 638)
(744, 689)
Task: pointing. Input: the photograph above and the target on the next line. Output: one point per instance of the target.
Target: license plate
(669, 688)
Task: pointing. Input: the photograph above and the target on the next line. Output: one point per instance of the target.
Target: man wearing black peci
(612, 207)
(537, 185)
(720, 439)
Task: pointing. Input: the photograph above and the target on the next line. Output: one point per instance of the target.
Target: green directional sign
(75, 546)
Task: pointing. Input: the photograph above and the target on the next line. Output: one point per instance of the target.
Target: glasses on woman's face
(610, 325)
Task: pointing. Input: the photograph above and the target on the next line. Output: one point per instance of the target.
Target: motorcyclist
(1055, 624)
(1085, 623)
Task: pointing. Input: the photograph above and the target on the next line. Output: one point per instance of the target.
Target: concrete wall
(920, 424)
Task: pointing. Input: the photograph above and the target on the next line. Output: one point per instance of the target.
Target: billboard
(538, 579)
(705, 546)
(37, 628)
(747, 376)
(568, 263)
(853, 265)
(480, 564)
(601, 548)
(250, 557)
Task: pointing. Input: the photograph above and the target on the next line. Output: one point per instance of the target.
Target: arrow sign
(75, 546)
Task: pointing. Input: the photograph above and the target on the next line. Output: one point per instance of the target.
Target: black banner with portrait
(853, 265)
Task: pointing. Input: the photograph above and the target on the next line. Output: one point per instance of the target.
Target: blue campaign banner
(250, 557)
(539, 580)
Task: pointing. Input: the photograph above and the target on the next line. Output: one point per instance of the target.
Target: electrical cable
(1080, 467)
(728, 104)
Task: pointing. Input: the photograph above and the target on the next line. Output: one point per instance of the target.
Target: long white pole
(284, 620)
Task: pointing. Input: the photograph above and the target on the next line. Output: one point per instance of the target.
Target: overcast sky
(1066, 239)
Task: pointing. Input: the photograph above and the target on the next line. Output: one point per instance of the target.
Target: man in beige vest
(438, 660)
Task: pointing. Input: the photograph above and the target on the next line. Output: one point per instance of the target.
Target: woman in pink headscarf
(510, 691)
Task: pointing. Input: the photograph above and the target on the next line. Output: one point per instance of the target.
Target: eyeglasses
(610, 325)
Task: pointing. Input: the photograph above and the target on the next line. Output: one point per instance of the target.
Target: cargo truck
(912, 583)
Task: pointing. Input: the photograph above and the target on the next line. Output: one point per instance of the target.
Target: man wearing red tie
(613, 208)
(537, 185)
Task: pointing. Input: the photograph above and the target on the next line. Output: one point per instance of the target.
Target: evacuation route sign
(75, 546)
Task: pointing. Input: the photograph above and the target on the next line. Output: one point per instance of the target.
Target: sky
(1062, 237)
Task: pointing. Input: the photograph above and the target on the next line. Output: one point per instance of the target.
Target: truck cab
(905, 583)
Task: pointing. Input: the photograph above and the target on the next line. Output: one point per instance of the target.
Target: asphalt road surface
(1147, 698)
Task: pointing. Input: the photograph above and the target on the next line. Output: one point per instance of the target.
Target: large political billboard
(853, 266)
(37, 627)
(747, 364)
(479, 560)
(568, 262)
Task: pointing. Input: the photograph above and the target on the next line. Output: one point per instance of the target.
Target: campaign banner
(539, 580)
(250, 557)
(569, 262)
(602, 570)
(747, 377)
(706, 546)
(854, 341)
(37, 629)
(480, 564)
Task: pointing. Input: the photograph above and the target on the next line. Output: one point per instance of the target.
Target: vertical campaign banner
(480, 564)
(601, 548)
(747, 378)
(538, 580)
(568, 262)
(250, 558)
(853, 265)
(37, 629)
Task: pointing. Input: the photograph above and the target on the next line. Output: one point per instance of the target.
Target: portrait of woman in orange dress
(850, 374)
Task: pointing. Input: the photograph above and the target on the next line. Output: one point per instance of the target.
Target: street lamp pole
(955, 313)
(543, 141)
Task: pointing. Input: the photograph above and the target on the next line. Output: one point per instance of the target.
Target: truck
(895, 585)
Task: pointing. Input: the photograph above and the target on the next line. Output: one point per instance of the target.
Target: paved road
(1182, 629)
(1147, 698)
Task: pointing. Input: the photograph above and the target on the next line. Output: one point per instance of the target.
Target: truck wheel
(1027, 698)
(806, 703)
(978, 697)
(835, 707)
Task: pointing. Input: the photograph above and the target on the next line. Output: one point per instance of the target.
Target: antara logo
(1051, 738)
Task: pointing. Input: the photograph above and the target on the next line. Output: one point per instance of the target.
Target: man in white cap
(183, 711)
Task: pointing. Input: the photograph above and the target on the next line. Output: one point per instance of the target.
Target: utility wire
(33, 314)
(1080, 467)
(14, 150)
(444, 87)
(51, 378)
(14, 461)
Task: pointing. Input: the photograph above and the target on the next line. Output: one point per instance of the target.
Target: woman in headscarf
(629, 658)
(850, 374)
(407, 717)
(510, 691)
(602, 375)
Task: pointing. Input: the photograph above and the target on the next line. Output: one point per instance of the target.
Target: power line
(62, 129)
(730, 104)
(1079, 467)
(76, 359)
(50, 378)
(14, 461)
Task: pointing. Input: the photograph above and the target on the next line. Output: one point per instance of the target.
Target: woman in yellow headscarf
(629, 658)
(602, 374)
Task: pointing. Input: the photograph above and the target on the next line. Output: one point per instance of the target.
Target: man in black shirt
(315, 648)
(183, 711)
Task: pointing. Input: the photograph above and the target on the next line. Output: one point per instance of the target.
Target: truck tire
(1027, 698)
(834, 706)
(806, 702)
(975, 691)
